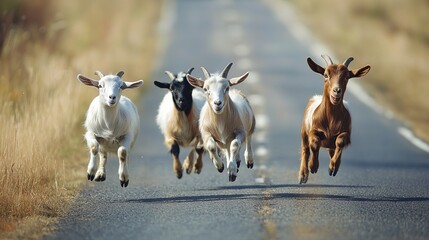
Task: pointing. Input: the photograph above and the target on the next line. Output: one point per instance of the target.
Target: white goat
(226, 120)
(177, 119)
(112, 124)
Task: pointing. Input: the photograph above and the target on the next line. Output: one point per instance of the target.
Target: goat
(327, 121)
(177, 118)
(226, 120)
(112, 124)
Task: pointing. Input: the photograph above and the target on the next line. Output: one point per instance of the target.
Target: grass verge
(44, 44)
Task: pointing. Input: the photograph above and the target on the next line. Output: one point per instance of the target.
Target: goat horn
(99, 74)
(170, 75)
(120, 74)
(347, 61)
(226, 70)
(328, 60)
(206, 73)
(190, 70)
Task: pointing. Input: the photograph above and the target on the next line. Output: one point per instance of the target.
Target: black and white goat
(178, 117)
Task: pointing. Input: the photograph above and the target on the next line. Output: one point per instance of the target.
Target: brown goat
(327, 121)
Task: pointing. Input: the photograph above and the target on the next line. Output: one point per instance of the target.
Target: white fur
(239, 126)
(111, 127)
(317, 100)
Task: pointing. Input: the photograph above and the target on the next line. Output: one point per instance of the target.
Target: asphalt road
(380, 192)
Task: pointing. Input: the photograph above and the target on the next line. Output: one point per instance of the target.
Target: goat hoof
(197, 170)
(179, 174)
(232, 177)
(330, 172)
(238, 164)
(221, 169)
(303, 179)
(124, 183)
(188, 170)
(250, 165)
(335, 172)
(100, 178)
(91, 177)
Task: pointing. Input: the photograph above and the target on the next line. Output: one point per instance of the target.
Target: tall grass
(390, 35)
(42, 105)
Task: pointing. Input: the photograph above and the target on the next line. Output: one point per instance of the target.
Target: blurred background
(44, 44)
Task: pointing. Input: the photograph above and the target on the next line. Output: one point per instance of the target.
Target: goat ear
(135, 84)
(87, 81)
(315, 67)
(360, 72)
(195, 82)
(162, 84)
(237, 80)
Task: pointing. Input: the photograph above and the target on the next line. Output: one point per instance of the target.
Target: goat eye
(226, 90)
(325, 75)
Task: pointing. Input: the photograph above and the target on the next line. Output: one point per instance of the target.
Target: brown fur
(184, 135)
(330, 122)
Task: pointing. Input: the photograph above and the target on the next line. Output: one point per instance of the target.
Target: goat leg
(177, 166)
(342, 141)
(188, 163)
(303, 170)
(314, 149)
(100, 176)
(211, 147)
(198, 165)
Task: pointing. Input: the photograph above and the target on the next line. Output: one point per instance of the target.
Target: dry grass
(42, 105)
(391, 36)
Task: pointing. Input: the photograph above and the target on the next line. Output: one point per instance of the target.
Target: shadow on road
(241, 187)
(274, 196)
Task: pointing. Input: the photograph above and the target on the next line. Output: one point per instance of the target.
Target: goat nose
(337, 90)
(217, 102)
(113, 97)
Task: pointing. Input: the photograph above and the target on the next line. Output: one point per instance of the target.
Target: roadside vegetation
(391, 36)
(43, 45)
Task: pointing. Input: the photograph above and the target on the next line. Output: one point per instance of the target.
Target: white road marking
(253, 77)
(242, 50)
(261, 152)
(262, 121)
(409, 135)
(245, 64)
(256, 100)
(260, 180)
(260, 137)
(235, 31)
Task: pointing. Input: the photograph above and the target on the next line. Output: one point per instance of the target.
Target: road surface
(380, 192)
